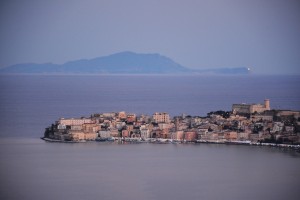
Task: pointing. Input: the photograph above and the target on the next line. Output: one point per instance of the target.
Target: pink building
(179, 135)
(131, 118)
(190, 136)
(161, 117)
(90, 127)
(231, 135)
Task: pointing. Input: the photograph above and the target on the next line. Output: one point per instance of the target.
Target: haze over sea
(34, 169)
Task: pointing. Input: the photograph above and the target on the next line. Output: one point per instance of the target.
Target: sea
(31, 168)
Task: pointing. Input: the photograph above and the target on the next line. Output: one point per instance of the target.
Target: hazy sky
(261, 34)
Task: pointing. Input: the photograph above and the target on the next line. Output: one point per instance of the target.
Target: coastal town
(256, 124)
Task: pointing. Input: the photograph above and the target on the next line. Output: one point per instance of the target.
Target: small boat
(110, 139)
(101, 139)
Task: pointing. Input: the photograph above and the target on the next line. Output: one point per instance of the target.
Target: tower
(176, 124)
(267, 104)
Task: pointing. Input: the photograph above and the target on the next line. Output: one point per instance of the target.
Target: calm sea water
(30, 103)
(33, 169)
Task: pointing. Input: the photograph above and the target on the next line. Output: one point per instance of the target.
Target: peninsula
(245, 124)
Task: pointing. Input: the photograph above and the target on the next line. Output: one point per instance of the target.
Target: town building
(74, 121)
(122, 115)
(250, 108)
(131, 118)
(161, 117)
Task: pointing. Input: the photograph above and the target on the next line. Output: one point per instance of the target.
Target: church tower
(267, 104)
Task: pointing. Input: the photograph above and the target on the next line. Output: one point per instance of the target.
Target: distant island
(120, 63)
(248, 124)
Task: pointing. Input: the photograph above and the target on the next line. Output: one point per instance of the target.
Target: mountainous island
(120, 63)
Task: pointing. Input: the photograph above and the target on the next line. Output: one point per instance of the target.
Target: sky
(263, 35)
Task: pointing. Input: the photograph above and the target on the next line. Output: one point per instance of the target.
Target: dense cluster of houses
(274, 126)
